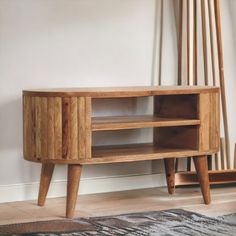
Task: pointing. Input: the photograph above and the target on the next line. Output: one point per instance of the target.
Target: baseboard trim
(29, 191)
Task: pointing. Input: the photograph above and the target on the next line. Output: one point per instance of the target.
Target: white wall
(72, 43)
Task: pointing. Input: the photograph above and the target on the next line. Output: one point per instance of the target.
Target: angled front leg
(45, 179)
(201, 167)
(73, 180)
(170, 174)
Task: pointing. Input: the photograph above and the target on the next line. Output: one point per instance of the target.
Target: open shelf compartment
(167, 142)
(175, 122)
(168, 111)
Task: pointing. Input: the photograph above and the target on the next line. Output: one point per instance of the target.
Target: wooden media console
(58, 128)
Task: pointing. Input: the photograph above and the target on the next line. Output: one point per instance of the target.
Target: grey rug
(164, 223)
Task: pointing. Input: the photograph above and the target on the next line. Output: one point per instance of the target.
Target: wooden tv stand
(58, 128)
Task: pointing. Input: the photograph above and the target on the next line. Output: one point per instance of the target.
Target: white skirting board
(29, 191)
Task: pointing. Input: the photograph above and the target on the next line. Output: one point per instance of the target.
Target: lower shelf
(134, 152)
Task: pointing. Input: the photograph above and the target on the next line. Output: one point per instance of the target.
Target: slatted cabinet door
(57, 128)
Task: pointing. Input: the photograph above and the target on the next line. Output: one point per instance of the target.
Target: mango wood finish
(112, 92)
(203, 178)
(58, 128)
(46, 176)
(170, 174)
(144, 121)
(74, 173)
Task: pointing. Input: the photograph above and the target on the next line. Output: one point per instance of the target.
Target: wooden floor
(223, 202)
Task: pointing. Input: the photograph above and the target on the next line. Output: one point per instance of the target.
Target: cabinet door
(57, 128)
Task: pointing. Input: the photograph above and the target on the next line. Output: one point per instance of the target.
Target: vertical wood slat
(195, 48)
(51, 135)
(84, 124)
(88, 126)
(222, 79)
(180, 43)
(73, 120)
(210, 14)
(188, 43)
(217, 128)
(44, 127)
(24, 104)
(222, 153)
(38, 117)
(188, 62)
(65, 128)
(215, 121)
(33, 127)
(27, 126)
(209, 132)
(204, 41)
(58, 127)
(48, 132)
(204, 113)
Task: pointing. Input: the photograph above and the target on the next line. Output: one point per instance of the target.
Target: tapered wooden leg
(201, 167)
(73, 180)
(46, 176)
(170, 174)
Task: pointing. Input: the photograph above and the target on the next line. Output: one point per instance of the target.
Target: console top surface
(104, 92)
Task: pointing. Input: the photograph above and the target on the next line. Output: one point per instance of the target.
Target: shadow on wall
(11, 125)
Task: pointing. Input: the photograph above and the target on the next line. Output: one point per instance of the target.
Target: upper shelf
(142, 121)
(113, 92)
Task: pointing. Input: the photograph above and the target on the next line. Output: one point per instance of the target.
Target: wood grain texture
(170, 174)
(203, 178)
(210, 122)
(52, 129)
(73, 121)
(204, 41)
(44, 127)
(222, 153)
(139, 121)
(195, 43)
(84, 121)
(151, 199)
(98, 156)
(112, 92)
(222, 80)
(59, 129)
(38, 117)
(45, 179)
(66, 128)
(27, 126)
(73, 180)
(210, 15)
(180, 43)
(204, 132)
(188, 42)
(50, 126)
